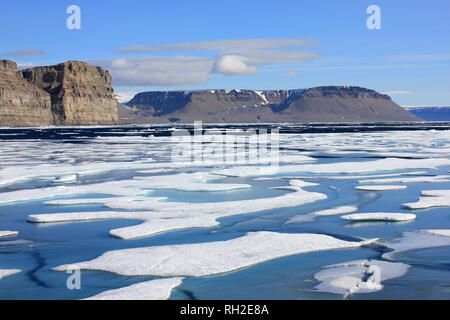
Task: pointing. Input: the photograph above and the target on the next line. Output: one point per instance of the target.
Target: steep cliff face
(70, 93)
(327, 104)
(80, 94)
(21, 104)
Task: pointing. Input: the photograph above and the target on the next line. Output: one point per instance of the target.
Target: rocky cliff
(320, 104)
(70, 93)
(21, 103)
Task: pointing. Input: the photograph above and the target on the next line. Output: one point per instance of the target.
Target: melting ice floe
(431, 198)
(420, 239)
(8, 272)
(349, 277)
(209, 258)
(7, 233)
(380, 188)
(164, 216)
(379, 216)
(158, 289)
(387, 164)
(327, 212)
(199, 181)
(439, 178)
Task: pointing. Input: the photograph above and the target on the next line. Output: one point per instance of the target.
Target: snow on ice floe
(165, 216)
(439, 178)
(327, 212)
(8, 272)
(420, 239)
(7, 233)
(199, 181)
(431, 198)
(295, 184)
(210, 258)
(379, 216)
(353, 177)
(159, 289)
(387, 164)
(387, 187)
(65, 179)
(360, 276)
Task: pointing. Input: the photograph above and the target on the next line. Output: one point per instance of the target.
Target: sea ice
(380, 188)
(7, 233)
(8, 272)
(379, 216)
(336, 210)
(210, 258)
(159, 289)
(431, 198)
(419, 239)
(387, 164)
(439, 178)
(327, 212)
(165, 216)
(349, 277)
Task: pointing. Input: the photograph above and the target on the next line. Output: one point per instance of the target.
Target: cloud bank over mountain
(194, 63)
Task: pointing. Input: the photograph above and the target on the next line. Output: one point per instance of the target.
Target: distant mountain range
(319, 104)
(75, 93)
(431, 113)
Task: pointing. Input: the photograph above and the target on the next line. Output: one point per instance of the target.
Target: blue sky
(171, 45)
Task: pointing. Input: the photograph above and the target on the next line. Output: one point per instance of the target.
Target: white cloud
(290, 73)
(158, 71)
(24, 53)
(232, 65)
(231, 57)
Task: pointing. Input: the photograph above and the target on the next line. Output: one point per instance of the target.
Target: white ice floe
(209, 258)
(8, 272)
(380, 187)
(379, 216)
(356, 177)
(327, 212)
(431, 198)
(295, 184)
(199, 181)
(7, 233)
(336, 210)
(419, 239)
(439, 178)
(150, 171)
(159, 289)
(387, 164)
(361, 276)
(165, 216)
(66, 179)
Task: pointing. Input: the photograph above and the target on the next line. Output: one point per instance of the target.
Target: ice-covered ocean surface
(354, 211)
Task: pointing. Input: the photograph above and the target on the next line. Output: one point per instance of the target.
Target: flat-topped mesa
(319, 104)
(21, 103)
(81, 94)
(344, 92)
